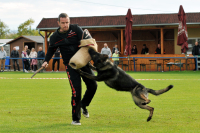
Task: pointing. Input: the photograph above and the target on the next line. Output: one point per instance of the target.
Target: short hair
(144, 44)
(62, 15)
(115, 44)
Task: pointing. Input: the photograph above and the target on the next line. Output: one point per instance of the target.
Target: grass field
(44, 105)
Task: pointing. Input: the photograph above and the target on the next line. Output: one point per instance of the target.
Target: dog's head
(98, 59)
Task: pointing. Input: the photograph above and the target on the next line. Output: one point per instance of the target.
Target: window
(191, 43)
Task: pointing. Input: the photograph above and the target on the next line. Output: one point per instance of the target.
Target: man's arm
(17, 54)
(109, 53)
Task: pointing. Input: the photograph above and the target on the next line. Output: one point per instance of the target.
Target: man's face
(64, 24)
(115, 46)
(14, 48)
(1, 48)
(158, 45)
(196, 43)
(40, 49)
(105, 45)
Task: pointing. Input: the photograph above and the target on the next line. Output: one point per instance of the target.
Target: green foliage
(25, 28)
(39, 105)
(3, 30)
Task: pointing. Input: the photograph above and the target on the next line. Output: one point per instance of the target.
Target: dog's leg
(158, 92)
(151, 109)
(147, 101)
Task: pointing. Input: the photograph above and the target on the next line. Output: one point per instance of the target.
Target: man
(67, 37)
(115, 48)
(56, 55)
(40, 54)
(15, 54)
(145, 50)
(116, 60)
(2, 58)
(28, 51)
(106, 50)
(158, 50)
(196, 52)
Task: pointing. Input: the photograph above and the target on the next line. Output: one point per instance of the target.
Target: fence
(134, 59)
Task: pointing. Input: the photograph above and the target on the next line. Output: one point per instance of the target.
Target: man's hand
(44, 64)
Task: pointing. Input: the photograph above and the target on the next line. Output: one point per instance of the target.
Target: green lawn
(44, 105)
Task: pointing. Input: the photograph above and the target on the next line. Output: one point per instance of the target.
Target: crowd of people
(30, 61)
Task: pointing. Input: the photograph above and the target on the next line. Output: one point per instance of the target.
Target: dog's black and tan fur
(117, 79)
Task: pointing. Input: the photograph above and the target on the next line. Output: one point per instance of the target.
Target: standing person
(2, 58)
(15, 54)
(115, 48)
(158, 50)
(145, 50)
(40, 54)
(57, 55)
(196, 52)
(33, 64)
(116, 60)
(26, 62)
(28, 53)
(67, 37)
(106, 50)
(134, 50)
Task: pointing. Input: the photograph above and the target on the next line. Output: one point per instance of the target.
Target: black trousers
(58, 62)
(27, 65)
(75, 83)
(17, 62)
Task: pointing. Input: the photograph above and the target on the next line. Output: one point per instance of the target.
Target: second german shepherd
(117, 79)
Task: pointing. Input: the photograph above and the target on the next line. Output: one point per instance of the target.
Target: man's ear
(58, 23)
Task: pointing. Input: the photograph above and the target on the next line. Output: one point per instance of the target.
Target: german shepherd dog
(117, 79)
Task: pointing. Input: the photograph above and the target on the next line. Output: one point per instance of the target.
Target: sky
(15, 12)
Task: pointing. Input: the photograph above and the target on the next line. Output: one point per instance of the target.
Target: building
(149, 29)
(30, 41)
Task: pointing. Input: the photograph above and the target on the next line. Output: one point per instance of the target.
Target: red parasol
(182, 30)
(128, 32)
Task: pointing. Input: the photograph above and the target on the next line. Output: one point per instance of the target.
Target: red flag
(182, 30)
(128, 32)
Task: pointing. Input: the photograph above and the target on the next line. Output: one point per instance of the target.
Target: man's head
(115, 45)
(26, 47)
(14, 48)
(63, 22)
(159, 46)
(2, 48)
(196, 43)
(134, 46)
(40, 48)
(116, 51)
(144, 46)
(105, 45)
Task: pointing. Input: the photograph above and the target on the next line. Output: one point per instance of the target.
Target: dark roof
(119, 21)
(37, 39)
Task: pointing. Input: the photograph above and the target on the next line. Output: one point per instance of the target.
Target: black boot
(18, 67)
(14, 67)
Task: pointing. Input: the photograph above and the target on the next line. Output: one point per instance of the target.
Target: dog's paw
(148, 119)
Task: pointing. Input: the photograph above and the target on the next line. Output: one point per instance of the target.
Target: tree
(25, 28)
(3, 30)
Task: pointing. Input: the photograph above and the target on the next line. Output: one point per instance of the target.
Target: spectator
(106, 50)
(27, 50)
(40, 54)
(134, 50)
(2, 58)
(196, 52)
(115, 48)
(33, 54)
(15, 54)
(56, 55)
(145, 50)
(116, 60)
(26, 62)
(158, 50)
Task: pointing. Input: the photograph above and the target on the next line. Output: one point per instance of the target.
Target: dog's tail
(158, 92)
